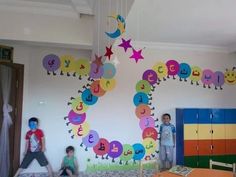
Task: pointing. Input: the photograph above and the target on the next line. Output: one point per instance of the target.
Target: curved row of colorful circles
(102, 81)
(160, 71)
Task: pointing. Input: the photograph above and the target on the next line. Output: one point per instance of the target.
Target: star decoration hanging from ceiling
(109, 52)
(98, 60)
(137, 55)
(125, 44)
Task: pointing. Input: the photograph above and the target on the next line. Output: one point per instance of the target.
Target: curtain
(5, 79)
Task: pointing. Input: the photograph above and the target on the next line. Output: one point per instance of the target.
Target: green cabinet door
(191, 161)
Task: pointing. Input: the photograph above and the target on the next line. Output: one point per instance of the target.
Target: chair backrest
(221, 164)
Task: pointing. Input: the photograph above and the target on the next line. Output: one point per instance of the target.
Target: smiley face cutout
(230, 76)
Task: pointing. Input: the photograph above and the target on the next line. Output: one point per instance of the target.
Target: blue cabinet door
(183, 117)
(204, 116)
(190, 116)
(230, 116)
(179, 137)
(218, 116)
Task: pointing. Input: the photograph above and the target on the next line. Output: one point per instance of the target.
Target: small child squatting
(69, 165)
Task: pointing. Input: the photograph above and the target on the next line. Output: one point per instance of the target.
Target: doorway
(16, 101)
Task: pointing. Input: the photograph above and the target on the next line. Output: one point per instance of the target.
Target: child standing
(167, 142)
(34, 148)
(69, 165)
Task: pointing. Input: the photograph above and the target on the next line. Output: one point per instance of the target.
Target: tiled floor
(147, 173)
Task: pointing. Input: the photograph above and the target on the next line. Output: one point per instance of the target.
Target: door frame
(17, 113)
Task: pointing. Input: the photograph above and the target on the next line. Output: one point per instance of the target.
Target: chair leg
(210, 164)
(234, 169)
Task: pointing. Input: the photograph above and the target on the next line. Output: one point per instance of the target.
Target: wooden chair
(221, 164)
(143, 162)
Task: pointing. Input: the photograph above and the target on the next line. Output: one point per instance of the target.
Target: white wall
(113, 115)
(46, 29)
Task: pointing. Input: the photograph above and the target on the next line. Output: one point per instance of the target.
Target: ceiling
(188, 22)
(208, 22)
(68, 8)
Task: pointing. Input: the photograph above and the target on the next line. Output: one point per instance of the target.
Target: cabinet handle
(211, 131)
(211, 115)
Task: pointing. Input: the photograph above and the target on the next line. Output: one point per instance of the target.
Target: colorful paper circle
(207, 77)
(91, 139)
(139, 151)
(82, 67)
(184, 70)
(143, 86)
(219, 79)
(102, 147)
(67, 63)
(96, 71)
(88, 98)
(51, 62)
(161, 69)
(173, 67)
(140, 98)
(115, 150)
(75, 118)
(81, 130)
(150, 132)
(146, 122)
(96, 89)
(109, 71)
(196, 74)
(142, 111)
(107, 84)
(150, 76)
(128, 152)
(150, 146)
(78, 106)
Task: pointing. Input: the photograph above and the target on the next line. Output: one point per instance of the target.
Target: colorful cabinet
(204, 134)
